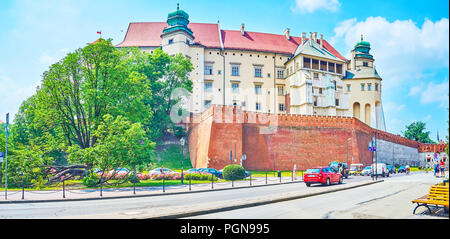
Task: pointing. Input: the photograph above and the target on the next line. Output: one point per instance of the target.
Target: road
(390, 199)
(391, 196)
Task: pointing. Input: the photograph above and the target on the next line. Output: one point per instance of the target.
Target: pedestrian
(441, 167)
(435, 169)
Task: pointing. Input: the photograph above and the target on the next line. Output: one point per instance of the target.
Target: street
(388, 199)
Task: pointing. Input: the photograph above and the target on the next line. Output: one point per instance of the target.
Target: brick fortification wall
(278, 142)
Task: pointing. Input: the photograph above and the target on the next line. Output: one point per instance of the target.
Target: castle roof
(148, 34)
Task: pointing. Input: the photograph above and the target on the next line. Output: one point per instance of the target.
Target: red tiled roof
(142, 34)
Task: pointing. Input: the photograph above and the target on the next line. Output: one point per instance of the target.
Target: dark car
(335, 166)
(213, 171)
(391, 169)
(402, 169)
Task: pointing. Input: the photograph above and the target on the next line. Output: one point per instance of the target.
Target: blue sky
(409, 41)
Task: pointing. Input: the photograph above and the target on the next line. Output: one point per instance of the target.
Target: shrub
(200, 176)
(173, 176)
(91, 180)
(233, 172)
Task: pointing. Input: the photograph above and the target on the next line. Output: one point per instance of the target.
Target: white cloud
(436, 93)
(402, 49)
(313, 5)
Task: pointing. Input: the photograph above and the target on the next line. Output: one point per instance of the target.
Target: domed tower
(177, 36)
(363, 83)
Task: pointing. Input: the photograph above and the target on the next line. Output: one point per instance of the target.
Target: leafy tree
(164, 74)
(416, 131)
(80, 89)
(120, 144)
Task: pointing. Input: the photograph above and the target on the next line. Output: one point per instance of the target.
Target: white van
(379, 169)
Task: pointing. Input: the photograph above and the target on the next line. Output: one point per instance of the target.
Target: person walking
(441, 168)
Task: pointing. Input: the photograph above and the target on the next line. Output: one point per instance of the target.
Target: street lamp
(182, 141)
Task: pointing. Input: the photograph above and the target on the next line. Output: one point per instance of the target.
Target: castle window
(208, 69)
(376, 87)
(337, 102)
(171, 41)
(280, 74)
(207, 103)
(306, 62)
(365, 63)
(208, 86)
(258, 89)
(258, 71)
(320, 90)
(330, 67)
(369, 87)
(258, 106)
(235, 87)
(235, 70)
(315, 64)
(362, 87)
(280, 90)
(339, 68)
(323, 65)
(281, 107)
(316, 76)
(348, 88)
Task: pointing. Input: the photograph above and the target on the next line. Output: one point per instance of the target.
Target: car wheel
(308, 185)
(340, 180)
(328, 181)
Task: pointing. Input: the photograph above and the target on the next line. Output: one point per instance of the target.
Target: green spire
(177, 20)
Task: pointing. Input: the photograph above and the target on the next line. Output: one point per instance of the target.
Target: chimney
(310, 38)
(303, 37)
(287, 33)
(321, 40)
(315, 36)
(242, 29)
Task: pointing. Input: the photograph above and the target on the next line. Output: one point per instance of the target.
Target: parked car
(336, 165)
(213, 171)
(402, 169)
(192, 170)
(379, 169)
(355, 169)
(323, 175)
(366, 171)
(158, 171)
(391, 169)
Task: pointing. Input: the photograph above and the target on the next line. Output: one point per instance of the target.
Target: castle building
(264, 72)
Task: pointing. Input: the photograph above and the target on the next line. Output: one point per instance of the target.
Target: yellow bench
(437, 196)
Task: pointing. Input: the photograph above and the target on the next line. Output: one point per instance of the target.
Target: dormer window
(365, 63)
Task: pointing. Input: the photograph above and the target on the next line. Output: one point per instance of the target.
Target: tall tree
(416, 131)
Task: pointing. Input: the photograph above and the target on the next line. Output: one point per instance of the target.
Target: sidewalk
(109, 193)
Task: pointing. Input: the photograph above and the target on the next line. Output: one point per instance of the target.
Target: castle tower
(177, 37)
(363, 84)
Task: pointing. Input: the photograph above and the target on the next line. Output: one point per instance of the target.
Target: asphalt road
(390, 199)
(340, 204)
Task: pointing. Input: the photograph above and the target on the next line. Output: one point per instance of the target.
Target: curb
(137, 196)
(253, 204)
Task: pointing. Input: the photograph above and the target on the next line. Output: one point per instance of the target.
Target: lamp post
(6, 157)
(182, 141)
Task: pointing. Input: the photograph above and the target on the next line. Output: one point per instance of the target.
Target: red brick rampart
(277, 142)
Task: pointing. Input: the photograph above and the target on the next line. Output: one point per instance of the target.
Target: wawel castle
(268, 73)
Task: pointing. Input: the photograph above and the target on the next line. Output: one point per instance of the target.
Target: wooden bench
(437, 196)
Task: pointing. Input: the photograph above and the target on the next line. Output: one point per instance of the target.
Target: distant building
(267, 73)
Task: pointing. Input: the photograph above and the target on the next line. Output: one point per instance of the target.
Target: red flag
(99, 32)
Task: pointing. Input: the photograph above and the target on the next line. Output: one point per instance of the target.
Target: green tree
(416, 131)
(84, 86)
(120, 144)
(164, 74)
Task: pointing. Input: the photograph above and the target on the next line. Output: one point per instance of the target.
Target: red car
(323, 175)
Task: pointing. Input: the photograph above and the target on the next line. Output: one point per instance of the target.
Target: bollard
(189, 183)
(64, 189)
(101, 187)
(212, 181)
(164, 182)
(232, 180)
(250, 179)
(266, 176)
